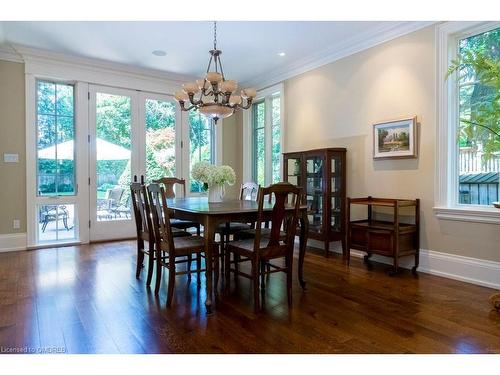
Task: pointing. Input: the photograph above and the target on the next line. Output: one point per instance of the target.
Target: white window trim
(446, 204)
(248, 138)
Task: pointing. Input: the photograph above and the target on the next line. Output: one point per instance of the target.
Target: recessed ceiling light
(281, 54)
(159, 52)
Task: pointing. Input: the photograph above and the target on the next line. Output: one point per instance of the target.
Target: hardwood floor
(86, 299)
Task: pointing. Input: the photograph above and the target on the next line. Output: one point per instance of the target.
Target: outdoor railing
(474, 162)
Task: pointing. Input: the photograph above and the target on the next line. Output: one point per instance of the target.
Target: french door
(132, 135)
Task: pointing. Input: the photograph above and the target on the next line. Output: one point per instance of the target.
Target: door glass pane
(113, 145)
(314, 170)
(276, 138)
(55, 139)
(202, 144)
(56, 222)
(160, 139)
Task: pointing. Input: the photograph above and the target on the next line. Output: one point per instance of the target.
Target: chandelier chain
(215, 35)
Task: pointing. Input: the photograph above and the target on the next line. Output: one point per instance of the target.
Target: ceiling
(250, 49)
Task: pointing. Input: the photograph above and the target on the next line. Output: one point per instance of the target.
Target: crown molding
(35, 54)
(348, 47)
(7, 53)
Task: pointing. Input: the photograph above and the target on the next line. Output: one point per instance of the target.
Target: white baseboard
(470, 270)
(12, 242)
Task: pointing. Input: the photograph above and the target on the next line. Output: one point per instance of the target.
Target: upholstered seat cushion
(180, 233)
(233, 228)
(183, 224)
(264, 232)
(189, 245)
(246, 248)
(186, 245)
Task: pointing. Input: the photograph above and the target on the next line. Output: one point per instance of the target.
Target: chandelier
(217, 96)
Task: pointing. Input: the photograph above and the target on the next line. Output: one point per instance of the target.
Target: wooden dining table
(210, 215)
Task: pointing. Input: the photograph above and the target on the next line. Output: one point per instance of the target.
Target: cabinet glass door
(314, 191)
(335, 187)
(293, 170)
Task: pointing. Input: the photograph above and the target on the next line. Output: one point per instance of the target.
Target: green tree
(478, 74)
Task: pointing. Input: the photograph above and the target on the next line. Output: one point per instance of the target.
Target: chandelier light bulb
(191, 88)
(234, 99)
(214, 77)
(181, 96)
(228, 86)
(249, 93)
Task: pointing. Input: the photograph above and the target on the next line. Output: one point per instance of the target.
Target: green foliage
(113, 119)
(478, 74)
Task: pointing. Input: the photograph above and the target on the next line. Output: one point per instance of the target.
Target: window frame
(446, 200)
(265, 95)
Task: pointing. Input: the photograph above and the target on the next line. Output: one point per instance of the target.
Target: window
(202, 144)
(266, 140)
(259, 146)
(468, 132)
(478, 119)
(55, 139)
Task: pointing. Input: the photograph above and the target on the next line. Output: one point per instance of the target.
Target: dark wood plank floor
(86, 299)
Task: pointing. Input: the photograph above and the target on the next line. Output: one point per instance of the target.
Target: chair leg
(171, 281)
(151, 261)
(222, 249)
(255, 279)
(289, 268)
(190, 260)
(227, 275)
(236, 258)
(216, 268)
(262, 276)
(158, 271)
(140, 257)
(198, 268)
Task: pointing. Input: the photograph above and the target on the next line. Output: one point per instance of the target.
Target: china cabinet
(322, 175)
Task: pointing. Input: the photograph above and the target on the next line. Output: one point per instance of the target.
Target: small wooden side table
(387, 238)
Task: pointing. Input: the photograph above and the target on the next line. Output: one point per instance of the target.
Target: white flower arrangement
(212, 175)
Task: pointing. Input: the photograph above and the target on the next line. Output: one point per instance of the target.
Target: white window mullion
(268, 139)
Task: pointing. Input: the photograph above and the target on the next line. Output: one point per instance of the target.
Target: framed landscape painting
(395, 139)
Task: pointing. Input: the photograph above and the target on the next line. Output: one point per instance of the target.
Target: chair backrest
(142, 211)
(116, 194)
(161, 217)
(283, 193)
(169, 183)
(249, 191)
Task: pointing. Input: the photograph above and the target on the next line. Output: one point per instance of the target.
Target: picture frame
(396, 139)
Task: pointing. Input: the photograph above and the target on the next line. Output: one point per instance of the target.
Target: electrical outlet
(16, 224)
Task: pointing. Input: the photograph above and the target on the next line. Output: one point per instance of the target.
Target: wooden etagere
(387, 238)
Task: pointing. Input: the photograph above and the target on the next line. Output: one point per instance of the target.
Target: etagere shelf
(383, 237)
(322, 175)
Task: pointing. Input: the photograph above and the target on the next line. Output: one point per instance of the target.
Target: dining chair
(169, 184)
(248, 191)
(144, 229)
(263, 250)
(170, 248)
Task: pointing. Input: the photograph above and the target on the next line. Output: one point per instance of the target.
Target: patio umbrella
(105, 151)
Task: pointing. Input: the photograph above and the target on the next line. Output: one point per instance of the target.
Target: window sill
(476, 214)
